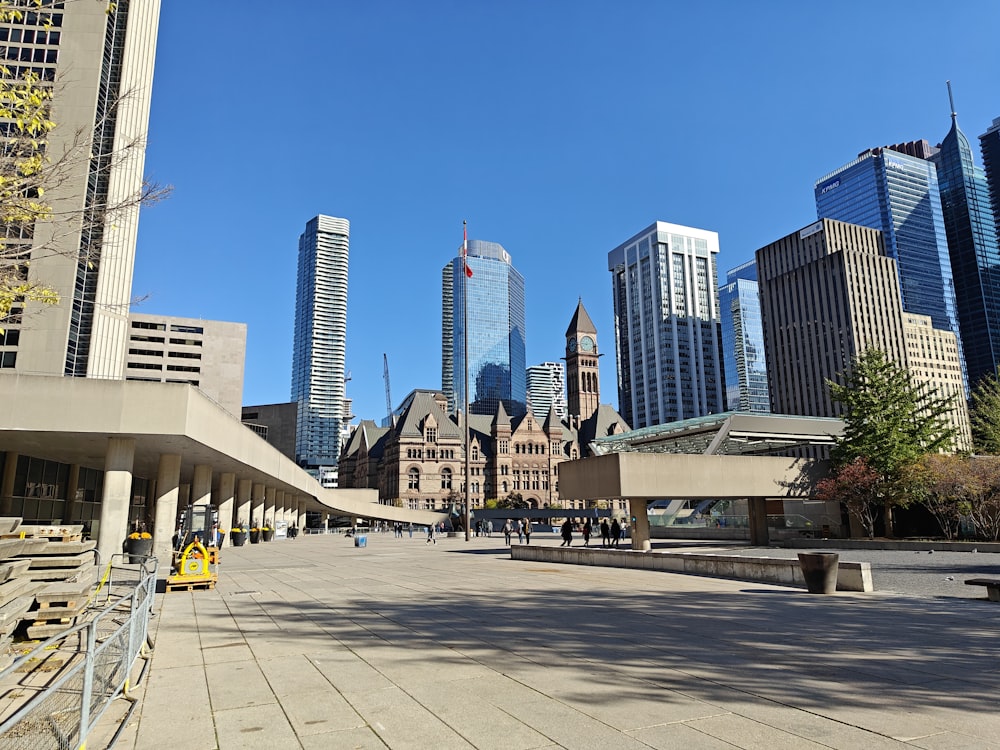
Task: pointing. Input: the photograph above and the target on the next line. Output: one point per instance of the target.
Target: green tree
(985, 415)
(513, 501)
(859, 488)
(890, 421)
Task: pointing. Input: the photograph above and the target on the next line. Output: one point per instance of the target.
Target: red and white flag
(465, 249)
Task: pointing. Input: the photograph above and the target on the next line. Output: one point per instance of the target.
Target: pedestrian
(587, 531)
(430, 535)
(605, 533)
(479, 527)
(506, 532)
(520, 532)
(567, 534)
(489, 528)
(616, 532)
(527, 531)
(411, 529)
(623, 532)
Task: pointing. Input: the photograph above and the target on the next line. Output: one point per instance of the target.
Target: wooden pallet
(199, 584)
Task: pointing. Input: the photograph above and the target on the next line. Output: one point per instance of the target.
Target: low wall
(892, 544)
(852, 576)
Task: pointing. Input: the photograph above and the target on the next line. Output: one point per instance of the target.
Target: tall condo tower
(320, 340)
(898, 193)
(583, 381)
(99, 59)
(495, 316)
(827, 293)
(975, 257)
(743, 341)
(989, 143)
(664, 281)
(547, 389)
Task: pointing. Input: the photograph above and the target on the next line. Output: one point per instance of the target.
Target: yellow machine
(195, 564)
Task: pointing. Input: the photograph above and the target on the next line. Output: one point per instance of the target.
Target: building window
(475, 453)
(446, 479)
(414, 479)
(430, 435)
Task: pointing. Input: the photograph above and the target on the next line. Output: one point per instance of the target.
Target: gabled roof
(501, 417)
(421, 405)
(366, 433)
(581, 321)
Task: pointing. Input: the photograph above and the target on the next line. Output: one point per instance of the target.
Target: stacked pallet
(17, 592)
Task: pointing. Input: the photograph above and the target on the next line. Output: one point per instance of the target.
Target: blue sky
(558, 129)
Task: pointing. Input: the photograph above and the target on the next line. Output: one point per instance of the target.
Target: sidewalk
(313, 643)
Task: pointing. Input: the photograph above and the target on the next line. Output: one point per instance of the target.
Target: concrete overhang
(69, 420)
(669, 475)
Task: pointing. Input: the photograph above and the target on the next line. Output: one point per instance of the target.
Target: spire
(501, 419)
(581, 321)
(951, 101)
(552, 420)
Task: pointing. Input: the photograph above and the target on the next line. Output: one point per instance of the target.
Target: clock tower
(582, 380)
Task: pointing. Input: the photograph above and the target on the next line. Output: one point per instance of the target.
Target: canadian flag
(465, 249)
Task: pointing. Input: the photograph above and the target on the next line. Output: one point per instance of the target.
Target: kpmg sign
(831, 185)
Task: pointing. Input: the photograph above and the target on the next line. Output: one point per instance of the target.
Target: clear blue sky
(558, 129)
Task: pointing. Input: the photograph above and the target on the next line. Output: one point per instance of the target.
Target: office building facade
(546, 385)
(827, 293)
(975, 257)
(208, 354)
(667, 337)
(496, 331)
(898, 193)
(989, 144)
(99, 59)
(319, 347)
(744, 361)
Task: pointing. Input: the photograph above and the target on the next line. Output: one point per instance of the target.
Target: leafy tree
(890, 421)
(985, 415)
(945, 486)
(513, 501)
(859, 487)
(982, 503)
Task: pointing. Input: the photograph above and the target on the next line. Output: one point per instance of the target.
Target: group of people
(522, 528)
(611, 534)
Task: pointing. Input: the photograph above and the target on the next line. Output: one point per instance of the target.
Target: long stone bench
(852, 576)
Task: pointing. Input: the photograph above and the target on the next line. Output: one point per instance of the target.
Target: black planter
(819, 569)
(239, 538)
(137, 549)
(267, 534)
(255, 537)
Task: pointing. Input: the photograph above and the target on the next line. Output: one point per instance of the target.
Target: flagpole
(465, 361)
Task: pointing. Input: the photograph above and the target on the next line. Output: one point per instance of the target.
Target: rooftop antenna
(951, 101)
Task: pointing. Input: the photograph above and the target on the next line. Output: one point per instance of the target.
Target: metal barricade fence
(94, 660)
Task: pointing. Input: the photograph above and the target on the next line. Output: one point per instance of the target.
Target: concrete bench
(992, 587)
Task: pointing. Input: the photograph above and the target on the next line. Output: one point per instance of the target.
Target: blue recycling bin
(361, 541)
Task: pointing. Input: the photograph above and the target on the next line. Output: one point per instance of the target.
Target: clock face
(587, 344)
(571, 345)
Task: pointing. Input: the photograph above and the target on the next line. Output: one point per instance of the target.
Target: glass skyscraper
(667, 337)
(898, 194)
(320, 340)
(743, 341)
(989, 143)
(496, 331)
(975, 257)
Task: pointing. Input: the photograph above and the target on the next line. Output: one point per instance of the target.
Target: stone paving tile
(238, 685)
(320, 711)
(750, 735)
(401, 722)
(254, 728)
(355, 739)
(675, 736)
(182, 704)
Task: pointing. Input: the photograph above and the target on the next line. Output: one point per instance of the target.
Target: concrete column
(201, 485)
(113, 525)
(757, 520)
(639, 522)
(257, 505)
(301, 521)
(168, 480)
(324, 518)
(242, 514)
(227, 490)
(269, 496)
(70, 511)
(7, 483)
(184, 496)
(279, 506)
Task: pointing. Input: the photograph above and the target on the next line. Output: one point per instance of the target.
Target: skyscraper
(665, 284)
(743, 341)
(99, 58)
(495, 316)
(989, 143)
(320, 340)
(898, 194)
(975, 257)
(547, 389)
(827, 293)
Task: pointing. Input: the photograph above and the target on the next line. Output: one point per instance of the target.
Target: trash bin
(819, 569)
(361, 541)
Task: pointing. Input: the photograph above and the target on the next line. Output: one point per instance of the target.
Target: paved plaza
(315, 643)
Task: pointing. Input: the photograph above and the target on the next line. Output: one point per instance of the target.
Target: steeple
(582, 371)
(581, 322)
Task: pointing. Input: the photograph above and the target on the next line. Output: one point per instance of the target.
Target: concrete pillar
(757, 520)
(242, 514)
(257, 505)
(70, 510)
(301, 520)
(201, 485)
(227, 490)
(279, 506)
(183, 496)
(269, 497)
(168, 480)
(7, 483)
(113, 526)
(324, 518)
(639, 523)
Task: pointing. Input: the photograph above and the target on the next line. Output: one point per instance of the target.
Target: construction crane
(388, 395)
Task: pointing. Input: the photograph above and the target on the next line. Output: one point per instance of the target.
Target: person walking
(507, 532)
(520, 532)
(430, 535)
(587, 531)
(527, 531)
(616, 532)
(489, 528)
(605, 533)
(567, 533)
(411, 529)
